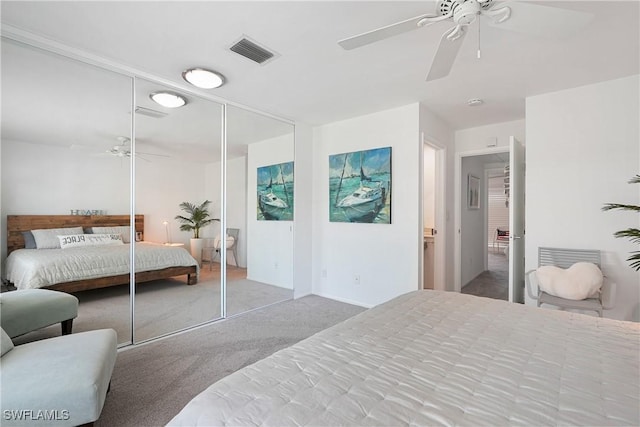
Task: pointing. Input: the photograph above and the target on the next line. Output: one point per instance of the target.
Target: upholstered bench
(27, 310)
(61, 381)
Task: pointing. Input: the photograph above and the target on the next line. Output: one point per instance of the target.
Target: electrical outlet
(356, 279)
(275, 265)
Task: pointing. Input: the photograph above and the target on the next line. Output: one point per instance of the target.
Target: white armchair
(211, 249)
(565, 258)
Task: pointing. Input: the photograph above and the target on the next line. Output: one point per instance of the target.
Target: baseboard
(344, 300)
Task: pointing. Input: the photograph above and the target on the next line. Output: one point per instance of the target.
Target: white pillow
(125, 230)
(580, 281)
(75, 240)
(48, 238)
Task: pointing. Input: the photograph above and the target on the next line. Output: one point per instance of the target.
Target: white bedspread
(35, 268)
(434, 358)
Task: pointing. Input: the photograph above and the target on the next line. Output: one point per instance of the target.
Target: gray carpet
(163, 306)
(493, 283)
(152, 382)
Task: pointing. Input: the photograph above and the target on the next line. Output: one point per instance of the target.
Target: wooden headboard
(16, 224)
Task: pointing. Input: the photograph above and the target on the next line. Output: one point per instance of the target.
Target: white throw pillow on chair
(580, 281)
(217, 242)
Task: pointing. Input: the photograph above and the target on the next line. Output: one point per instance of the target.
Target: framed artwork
(275, 192)
(360, 186)
(473, 192)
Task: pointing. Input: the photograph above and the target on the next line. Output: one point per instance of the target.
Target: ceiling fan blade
(384, 32)
(445, 56)
(543, 21)
(151, 154)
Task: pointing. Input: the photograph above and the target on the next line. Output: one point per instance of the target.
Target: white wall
(472, 223)
(303, 211)
(385, 256)
(429, 193)
(269, 243)
(161, 185)
(582, 148)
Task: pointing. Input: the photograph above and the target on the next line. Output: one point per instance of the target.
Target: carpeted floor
(152, 382)
(493, 283)
(165, 306)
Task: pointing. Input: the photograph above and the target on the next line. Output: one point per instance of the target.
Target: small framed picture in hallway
(473, 192)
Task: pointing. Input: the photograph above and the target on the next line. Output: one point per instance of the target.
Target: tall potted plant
(197, 217)
(631, 233)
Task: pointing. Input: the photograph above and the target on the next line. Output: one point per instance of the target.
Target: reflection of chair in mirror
(565, 258)
(211, 248)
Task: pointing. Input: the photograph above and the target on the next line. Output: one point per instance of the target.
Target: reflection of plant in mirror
(632, 233)
(198, 217)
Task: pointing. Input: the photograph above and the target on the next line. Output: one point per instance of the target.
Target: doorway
(432, 218)
(482, 267)
(493, 282)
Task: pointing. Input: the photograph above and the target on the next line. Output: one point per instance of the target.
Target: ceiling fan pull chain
(478, 39)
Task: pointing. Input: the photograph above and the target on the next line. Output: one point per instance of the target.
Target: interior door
(516, 220)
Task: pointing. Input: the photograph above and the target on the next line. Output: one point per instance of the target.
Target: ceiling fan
(521, 17)
(124, 150)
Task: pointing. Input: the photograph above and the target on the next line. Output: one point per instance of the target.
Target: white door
(516, 221)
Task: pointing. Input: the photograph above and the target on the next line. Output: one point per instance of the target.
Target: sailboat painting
(360, 186)
(275, 192)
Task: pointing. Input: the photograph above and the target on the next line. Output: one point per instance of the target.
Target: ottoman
(60, 381)
(26, 310)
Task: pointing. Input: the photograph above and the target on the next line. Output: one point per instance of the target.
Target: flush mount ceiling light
(475, 102)
(168, 99)
(203, 78)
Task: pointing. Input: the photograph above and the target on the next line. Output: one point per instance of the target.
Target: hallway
(493, 283)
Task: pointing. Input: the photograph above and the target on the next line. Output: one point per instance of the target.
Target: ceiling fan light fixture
(203, 78)
(474, 102)
(168, 99)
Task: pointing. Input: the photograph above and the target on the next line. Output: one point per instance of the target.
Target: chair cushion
(6, 345)
(580, 281)
(30, 309)
(68, 374)
(217, 242)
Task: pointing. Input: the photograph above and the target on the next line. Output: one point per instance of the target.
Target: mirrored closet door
(84, 146)
(61, 119)
(178, 142)
(259, 184)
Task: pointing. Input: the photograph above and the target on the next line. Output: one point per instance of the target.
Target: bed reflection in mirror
(61, 120)
(260, 261)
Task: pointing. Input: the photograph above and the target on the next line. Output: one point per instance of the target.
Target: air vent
(150, 113)
(251, 50)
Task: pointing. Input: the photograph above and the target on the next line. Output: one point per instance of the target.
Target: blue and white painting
(275, 192)
(360, 186)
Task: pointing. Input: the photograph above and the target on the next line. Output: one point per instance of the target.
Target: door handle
(515, 237)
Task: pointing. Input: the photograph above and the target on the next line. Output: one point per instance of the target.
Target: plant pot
(196, 249)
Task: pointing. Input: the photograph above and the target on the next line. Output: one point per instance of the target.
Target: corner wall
(582, 148)
(385, 256)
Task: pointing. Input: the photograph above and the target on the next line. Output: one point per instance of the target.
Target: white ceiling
(315, 81)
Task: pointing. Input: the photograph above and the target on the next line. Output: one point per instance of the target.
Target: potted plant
(631, 233)
(197, 217)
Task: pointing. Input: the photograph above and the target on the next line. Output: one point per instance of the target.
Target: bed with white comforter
(38, 268)
(434, 358)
